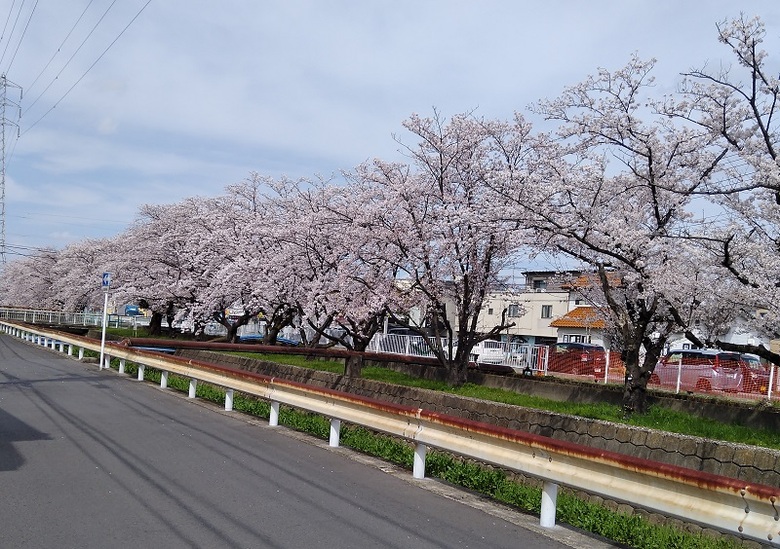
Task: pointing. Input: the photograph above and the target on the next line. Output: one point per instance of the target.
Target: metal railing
(722, 503)
(32, 316)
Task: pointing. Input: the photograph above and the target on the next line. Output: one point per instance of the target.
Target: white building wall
(538, 308)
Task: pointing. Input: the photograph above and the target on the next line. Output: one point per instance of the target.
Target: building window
(546, 311)
(539, 284)
(514, 311)
(576, 338)
(490, 310)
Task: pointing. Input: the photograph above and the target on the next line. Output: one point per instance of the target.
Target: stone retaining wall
(748, 463)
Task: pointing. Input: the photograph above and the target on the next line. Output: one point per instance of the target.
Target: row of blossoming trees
(617, 187)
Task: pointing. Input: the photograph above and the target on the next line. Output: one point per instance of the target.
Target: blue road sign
(106, 281)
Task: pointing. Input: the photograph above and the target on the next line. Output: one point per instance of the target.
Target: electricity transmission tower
(5, 123)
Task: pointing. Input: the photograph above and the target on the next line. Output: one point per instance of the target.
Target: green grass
(296, 360)
(141, 331)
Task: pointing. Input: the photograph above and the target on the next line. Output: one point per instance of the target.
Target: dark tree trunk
(353, 365)
(638, 374)
(155, 324)
(271, 333)
(635, 394)
(457, 372)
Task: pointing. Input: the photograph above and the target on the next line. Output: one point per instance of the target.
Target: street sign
(106, 281)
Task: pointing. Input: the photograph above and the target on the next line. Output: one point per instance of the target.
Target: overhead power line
(59, 48)
(73, 55)
(89, 68)
(21, 38)
(13, 28)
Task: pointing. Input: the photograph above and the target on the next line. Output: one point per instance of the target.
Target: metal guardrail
(722, 503)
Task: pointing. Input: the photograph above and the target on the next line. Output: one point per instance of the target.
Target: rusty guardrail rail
(722, 503)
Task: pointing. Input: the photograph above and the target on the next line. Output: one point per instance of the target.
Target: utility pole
(5, 105)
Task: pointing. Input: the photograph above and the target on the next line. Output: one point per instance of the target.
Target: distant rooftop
(581, 317)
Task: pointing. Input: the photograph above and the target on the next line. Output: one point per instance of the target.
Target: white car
(488, 352)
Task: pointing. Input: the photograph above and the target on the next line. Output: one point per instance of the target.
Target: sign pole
(106, 286)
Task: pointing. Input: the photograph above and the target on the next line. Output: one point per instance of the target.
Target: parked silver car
(699, 370)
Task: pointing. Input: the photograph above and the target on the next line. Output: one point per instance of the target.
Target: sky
(135, 102)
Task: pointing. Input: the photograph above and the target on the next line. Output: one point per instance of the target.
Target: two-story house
(544, 297)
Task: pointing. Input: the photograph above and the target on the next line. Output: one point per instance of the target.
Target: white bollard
(107, 364)
(549, 500)
(140, 372)
(273, 419)
(228, 400)
(335, 432)
(164, 380)
(81, 353)
(418, 469)
(121, 365)
(70, 349)
(193, 387)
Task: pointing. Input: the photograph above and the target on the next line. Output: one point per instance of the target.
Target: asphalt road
(94, 459)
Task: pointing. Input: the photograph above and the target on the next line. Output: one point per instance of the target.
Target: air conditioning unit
(540, 290)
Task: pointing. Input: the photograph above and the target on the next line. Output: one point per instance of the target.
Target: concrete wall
(748, 463)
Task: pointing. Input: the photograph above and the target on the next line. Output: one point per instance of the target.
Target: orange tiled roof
(581, 317)
(592, 279)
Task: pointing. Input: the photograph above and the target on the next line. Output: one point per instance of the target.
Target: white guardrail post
(549, 502)
(335, 433)
(228, 400)
(418, 467)
(723, 503)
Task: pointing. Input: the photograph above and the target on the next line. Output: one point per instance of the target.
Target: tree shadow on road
(13, 430)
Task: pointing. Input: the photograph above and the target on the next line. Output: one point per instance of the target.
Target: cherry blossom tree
(739, 107)
(617, 197)
(260, 273)
(434, 221)
(346, 281)
(158, 251)
(27, 282)
(76, 274)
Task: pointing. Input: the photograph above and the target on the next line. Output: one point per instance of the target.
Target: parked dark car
(755, 376)
(582, 359)
(700, 370)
